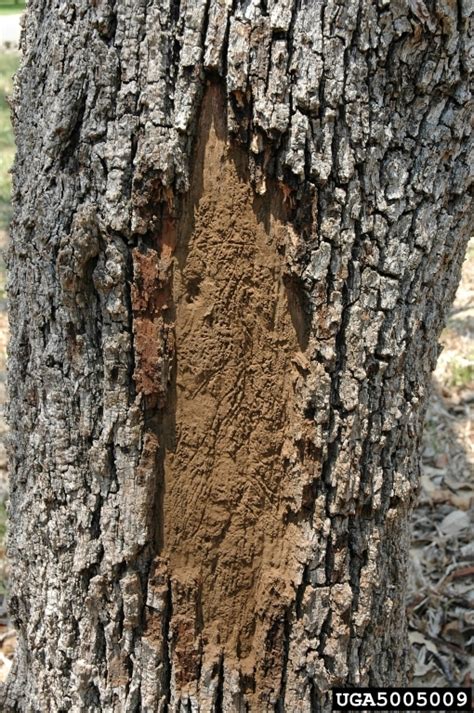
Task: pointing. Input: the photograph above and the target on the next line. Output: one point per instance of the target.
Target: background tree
(237, 232)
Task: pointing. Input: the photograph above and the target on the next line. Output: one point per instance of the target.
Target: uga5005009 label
(401, 699)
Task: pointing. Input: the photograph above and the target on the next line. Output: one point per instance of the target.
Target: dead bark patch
(226, 468)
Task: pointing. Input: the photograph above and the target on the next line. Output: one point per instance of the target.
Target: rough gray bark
(331, 138)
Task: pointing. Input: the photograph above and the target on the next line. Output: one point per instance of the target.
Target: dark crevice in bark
(358, 553)
(300, 308)
(112, 24)
(315, 699)
(92, 697)
(219, 705)
(280, 704)
(95, 520)
(323, 636)
(68, 157)
(205, 24)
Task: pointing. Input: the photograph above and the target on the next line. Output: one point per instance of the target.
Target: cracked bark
(237, 232)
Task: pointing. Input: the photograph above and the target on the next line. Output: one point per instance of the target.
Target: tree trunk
(237, 231)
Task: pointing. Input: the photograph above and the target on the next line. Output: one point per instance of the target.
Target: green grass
(11, 8)
(8, 66)
(462, 373)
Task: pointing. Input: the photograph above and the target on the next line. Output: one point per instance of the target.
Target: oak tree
(238, 228)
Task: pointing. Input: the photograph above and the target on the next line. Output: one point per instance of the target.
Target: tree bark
(237, 231)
